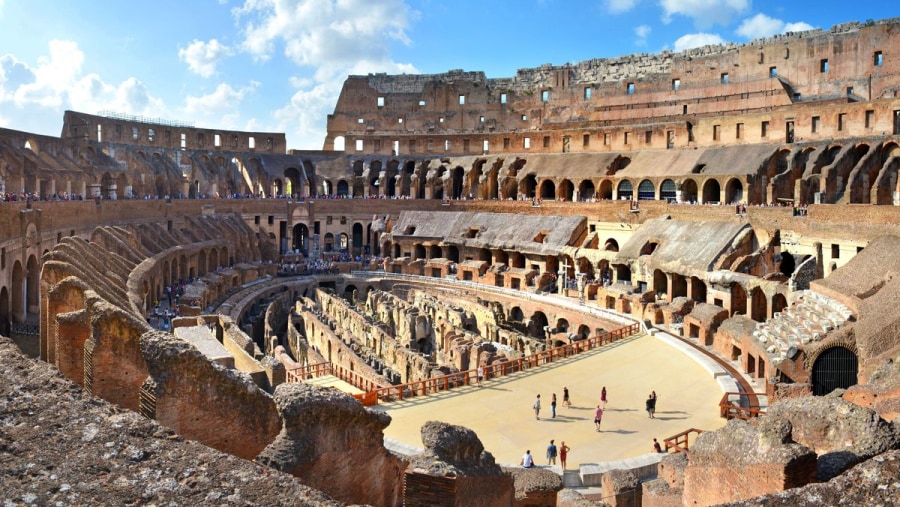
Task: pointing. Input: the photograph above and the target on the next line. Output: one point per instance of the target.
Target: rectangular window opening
(251, 142)
(739, 131)
(421, 102)
(724, 78)
(546, 141)
(648, 136)
(823, 65)
(586, 140)
(842, 120)
(359, 145)
(870, 119)
(773, 71)
(815, 124)
(879, 59)
(380, 101)
(764, 129)
(587, 93)
(716, 132)
(527, 143)
(545, 96)
(503, 98)
(676, 84)
(630, 88)
(462, 100)
(217, 140)
(183, 141)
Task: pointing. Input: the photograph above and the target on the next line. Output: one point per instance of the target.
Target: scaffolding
(143, 119)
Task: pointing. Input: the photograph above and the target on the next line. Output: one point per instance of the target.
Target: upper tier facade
(812, 85)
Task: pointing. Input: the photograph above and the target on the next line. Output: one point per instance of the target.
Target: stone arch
(516, 314)
(201, 262)
(357, 236)
(565, 191)
(5, 321)
(646, 191)
(606, 189)
(343, 188)
(660, 283)
(562, 325)
(328, 242)
(698, 289)
(738, 300)
(586, 190)
(418, 251)
(758, 305)
(584, 332)
(18, 292)
(344, 242)
(339, 143)
(835, 366)
(452, 253)
(689, 191)
(667, 190)
(711, 191)
(547, 189)
(301, 238)
(33, 278)
(779, 303)
(456, 179)
(292, 181)
(625, 190)
(528, 186)
(734, 191)
(537, 325)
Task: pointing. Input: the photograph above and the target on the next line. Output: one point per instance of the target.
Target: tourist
(563, 452)
(551, 453)
(553, 406)
(650, 404)
(566, 397)
(656, 446)
(527, 460)
(479, 374)
(598, 416)
(537, 407)
(603, 397)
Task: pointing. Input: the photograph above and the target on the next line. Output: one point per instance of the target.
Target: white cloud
(760, 26)
(202, 57)
(617, 6)
(800, 26)
(57, 82)
(642, 31)
(695, 40)
(705, 13)
(301, 117)
(224, 100)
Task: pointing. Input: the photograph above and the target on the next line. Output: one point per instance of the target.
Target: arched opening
(453, 253)
(584, 332)
(566, 190)
(625, 190)
(758, 305)
(457, 176)
(611, 245)
(779, 303)
(343, 189)
(397, 251)
(646, 192)
(698, 290)
(357, 238)
(5, 322)
(712, 192)
(329, 242)
(738, 300)
(516, 314)
(338, 144)
(606, 190)
(786, 263)
(418, 252)
(667, 191)
(528, 186)
(537, 326)
(562, 325)
(435, 252)
(734, 191)
(548, 189)
(301, 238)
(344, 243)
(586, 190)
(835, 368)
(689, 191)
(18, 293)
(660, 284)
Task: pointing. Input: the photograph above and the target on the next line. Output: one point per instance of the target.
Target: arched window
(646, 190)
(667, 190)
(626, 190)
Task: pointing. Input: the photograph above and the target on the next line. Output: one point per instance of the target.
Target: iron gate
(835, 368)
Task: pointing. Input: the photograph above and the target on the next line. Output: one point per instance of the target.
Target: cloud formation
(705, 13)
(202, 57)
(57, 82)
(695, 40)
(760, 26)
(642, 31)
(617, 6)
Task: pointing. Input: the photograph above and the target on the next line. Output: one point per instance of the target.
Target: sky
(278, 65)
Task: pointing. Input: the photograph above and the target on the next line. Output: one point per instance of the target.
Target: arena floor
(500, 411)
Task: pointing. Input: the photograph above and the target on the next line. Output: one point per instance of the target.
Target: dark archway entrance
(835, 368)
(301, 238)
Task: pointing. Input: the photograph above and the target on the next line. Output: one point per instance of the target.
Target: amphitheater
(204, 316)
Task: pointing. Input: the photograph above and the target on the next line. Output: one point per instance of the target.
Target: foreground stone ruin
(483, 235)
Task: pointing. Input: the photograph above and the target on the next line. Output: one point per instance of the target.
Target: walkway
(500, 412)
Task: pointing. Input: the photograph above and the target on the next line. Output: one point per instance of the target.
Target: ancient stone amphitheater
(180, 290)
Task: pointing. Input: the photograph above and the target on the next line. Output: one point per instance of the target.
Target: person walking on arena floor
(553, 406)
(563, 453)
(479, 373)
(537, 407)
(651, 406)
(551, 453)
(598, 416)
(603, 397)
(656, 447)
(566, 397)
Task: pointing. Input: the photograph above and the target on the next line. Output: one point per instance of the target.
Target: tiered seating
(809, 319)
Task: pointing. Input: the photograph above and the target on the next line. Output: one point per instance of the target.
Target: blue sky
(278, 65)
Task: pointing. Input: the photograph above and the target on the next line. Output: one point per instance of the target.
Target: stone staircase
(808, 320)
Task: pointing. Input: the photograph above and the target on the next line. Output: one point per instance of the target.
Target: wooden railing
(463, 378)
(375, 392)
(729, 410)
(680, 442)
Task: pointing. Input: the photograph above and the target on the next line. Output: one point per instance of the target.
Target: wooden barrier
(729, 410)
(680, 442)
